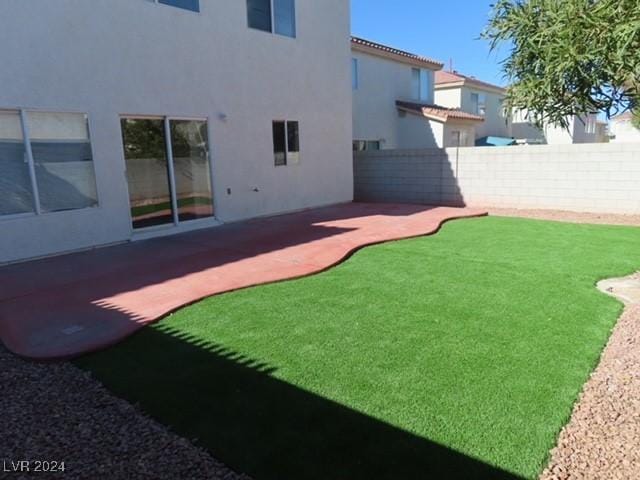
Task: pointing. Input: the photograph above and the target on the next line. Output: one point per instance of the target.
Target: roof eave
(395, 57)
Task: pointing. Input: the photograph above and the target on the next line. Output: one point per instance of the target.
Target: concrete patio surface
(62, 307)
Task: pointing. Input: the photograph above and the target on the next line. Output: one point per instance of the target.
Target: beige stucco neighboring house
(585, 129)
(394, 105)
(623, 130)
(454, 90)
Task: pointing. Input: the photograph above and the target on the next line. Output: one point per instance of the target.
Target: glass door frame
(171, 172)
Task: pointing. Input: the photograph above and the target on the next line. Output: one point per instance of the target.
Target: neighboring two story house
(125, 119)
(394, 105)
(473, 96)
(585, 129)
(623, 130)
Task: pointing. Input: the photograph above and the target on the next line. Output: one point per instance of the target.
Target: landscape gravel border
(602, 439)
(56, 412)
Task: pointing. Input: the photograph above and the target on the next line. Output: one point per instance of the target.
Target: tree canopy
(569, 57)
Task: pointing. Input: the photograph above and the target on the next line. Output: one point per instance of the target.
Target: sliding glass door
(168, 170)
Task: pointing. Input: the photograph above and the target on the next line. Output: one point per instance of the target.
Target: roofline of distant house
(465, 81)
(384, 51)
(437, 113)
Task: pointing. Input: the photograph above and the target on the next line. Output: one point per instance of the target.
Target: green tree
(569, 57)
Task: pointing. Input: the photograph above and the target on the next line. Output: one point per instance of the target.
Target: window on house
(355, 80)
(273, 16)
(168, 170)
(456, 138)
(63, 161)
(46, 164)
(193, 5)
(479, 103)
(15, 180)
(421, 84)
(366, 145)
(286, 143)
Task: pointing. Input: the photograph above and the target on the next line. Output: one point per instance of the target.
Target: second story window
(479, 103)
(193, 5)
(421, 84)
(273, 16)
(355, 80)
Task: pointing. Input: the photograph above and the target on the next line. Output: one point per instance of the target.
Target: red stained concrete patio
(65, 306)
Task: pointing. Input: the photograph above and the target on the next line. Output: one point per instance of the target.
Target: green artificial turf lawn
(458, 355)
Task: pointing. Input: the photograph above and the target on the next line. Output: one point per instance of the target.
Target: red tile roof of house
(399, 54)
(444, 78)
(436, 112)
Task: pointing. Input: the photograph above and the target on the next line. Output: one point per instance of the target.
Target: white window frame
(26, 141)
(171, 169)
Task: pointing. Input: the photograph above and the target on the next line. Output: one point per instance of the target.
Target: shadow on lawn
(263, 426)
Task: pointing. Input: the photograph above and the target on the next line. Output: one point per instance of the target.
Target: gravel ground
(563, 216)
(56, 412)
(602, 439)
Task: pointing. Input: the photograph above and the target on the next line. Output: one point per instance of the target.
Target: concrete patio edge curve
(89, 301)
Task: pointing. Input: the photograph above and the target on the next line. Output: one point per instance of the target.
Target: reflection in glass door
(168, 170)
(192, 171)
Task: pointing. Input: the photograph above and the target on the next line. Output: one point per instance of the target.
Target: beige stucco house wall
(109, 58)
(455, 90)
(585, 129)
(622, 129)
(383, 76)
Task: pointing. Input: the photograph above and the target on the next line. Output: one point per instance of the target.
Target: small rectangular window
(424, 85)
(259, 13)
(284, 12)
(420, 85)
(354, 74)
(286, 143)
(279, 143)
(193, 5)
(273, 16)
(293, 143)
(415, 83)
(366, 145)
(478, 103)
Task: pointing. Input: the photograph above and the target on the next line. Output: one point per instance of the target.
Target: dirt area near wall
(565, 216)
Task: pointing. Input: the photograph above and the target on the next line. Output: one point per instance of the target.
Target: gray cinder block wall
(602, 178)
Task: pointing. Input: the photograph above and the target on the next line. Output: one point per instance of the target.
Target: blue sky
(435, 29)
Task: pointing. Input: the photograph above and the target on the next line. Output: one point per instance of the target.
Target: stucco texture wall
(381, 82)
(121, 57)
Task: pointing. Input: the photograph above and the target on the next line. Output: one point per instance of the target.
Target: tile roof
(623, 117)
(436, 112)
(442, 78)
(401, 54)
